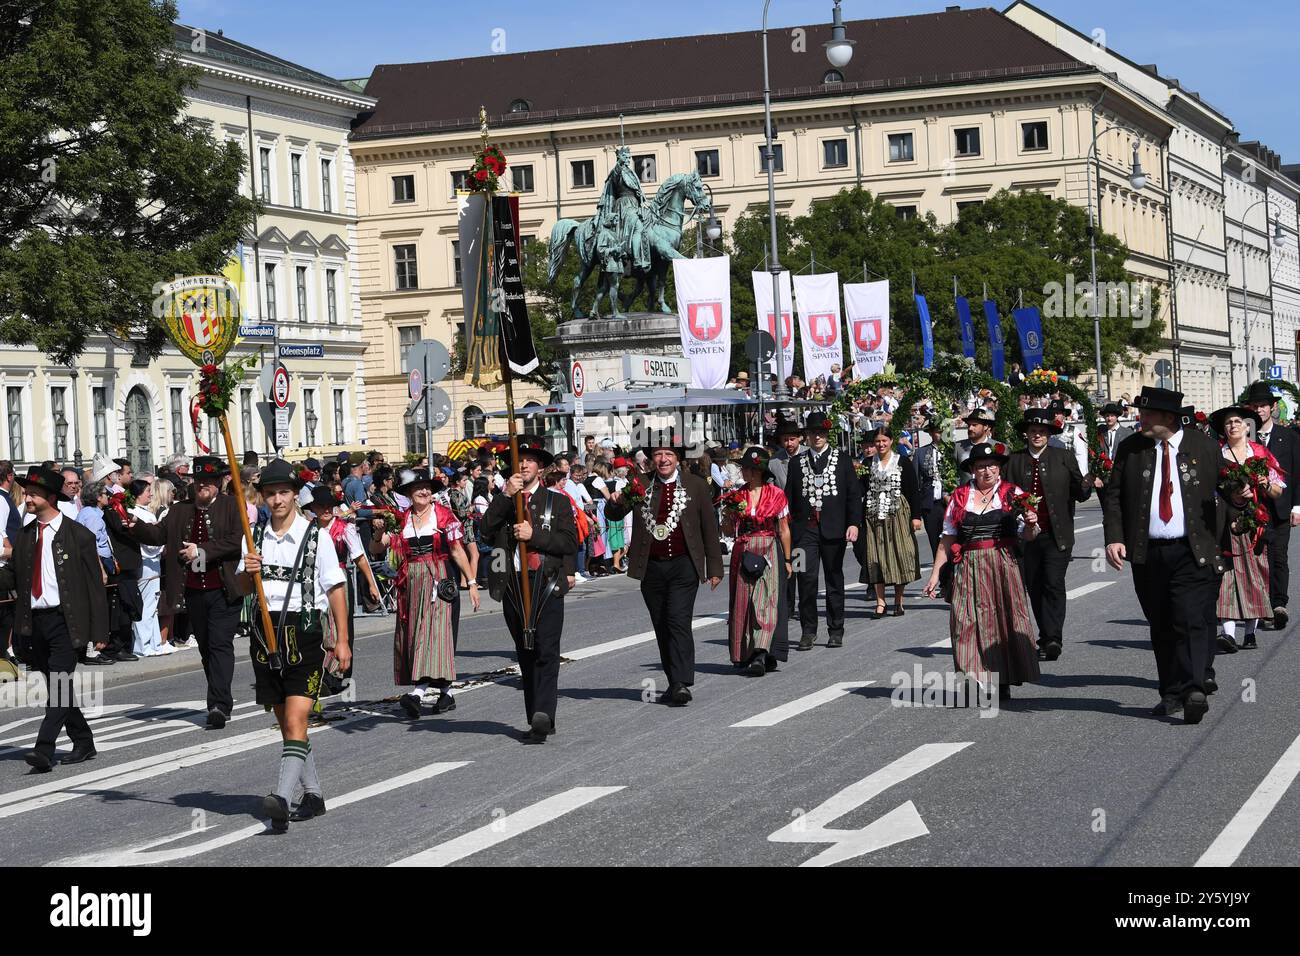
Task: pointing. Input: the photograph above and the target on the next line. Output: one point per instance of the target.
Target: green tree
(107, 188)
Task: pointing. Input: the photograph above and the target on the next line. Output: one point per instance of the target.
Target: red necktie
(1166, 487)
(37, 586)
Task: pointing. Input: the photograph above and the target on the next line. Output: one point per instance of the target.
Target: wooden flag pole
(525, 581)
(272, 645)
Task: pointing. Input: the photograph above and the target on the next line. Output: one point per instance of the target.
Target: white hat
(102, 467)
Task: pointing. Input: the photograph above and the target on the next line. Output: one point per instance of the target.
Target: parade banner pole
(526, 587)
(272, 646)
(201, 315)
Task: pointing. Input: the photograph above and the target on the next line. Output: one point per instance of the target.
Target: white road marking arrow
(900, 824)
(498, 831)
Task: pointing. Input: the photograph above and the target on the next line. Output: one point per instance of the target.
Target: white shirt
(284, 551)
(352, 538)
(69, 508)
(148, 552)
(1177, 526)
(49, 577)
(4, 513)
(578, 492)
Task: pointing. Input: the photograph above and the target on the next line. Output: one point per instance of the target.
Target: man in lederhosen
(202, 542)
(60, 605)
(1052, 475)
(825, 514)
(302, 581)
(550, 532)
(1284, 510)
(675, 547)
(1163, 517)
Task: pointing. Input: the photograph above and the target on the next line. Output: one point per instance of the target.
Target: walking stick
(272, 645)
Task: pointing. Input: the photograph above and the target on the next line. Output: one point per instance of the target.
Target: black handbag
(447, 589)
(752, 566)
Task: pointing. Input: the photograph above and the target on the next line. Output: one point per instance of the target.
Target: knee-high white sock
(1229, 629)
(292, 760)
(310, 782)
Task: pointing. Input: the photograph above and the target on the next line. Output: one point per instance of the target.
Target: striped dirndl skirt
(424, 642)
(992, 624)
(759, 614)
(1243, 590)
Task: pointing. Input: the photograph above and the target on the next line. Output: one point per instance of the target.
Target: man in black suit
(61, 605)
(825, 514)
(1163, 516)
(551, 534)
(674, 549)
(1053, 475)
(1113, 433)
(1284, 510)
(929, 473)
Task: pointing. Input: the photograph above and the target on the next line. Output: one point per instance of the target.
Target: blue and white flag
(1029, 323)
(966, 326)
(927, 332)
(995, 339)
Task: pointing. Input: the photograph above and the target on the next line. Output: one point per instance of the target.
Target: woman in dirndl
(892, 498)
(992, 625)
(757, 516)
(428, 600)
(1243, 590)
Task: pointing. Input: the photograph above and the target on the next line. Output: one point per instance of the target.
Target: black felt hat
(787, 426)
(1154, 399)
(1223, 414)
(985, 451)
(277, 472)
(1039, 416)
(756, 458)
(323, 497)
(210, 467)
(44, 479)
(536, 451)
(818, 422)
(1261, 392)
(408, 478)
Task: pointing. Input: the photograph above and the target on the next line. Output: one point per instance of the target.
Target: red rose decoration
(1223, 472)
(209, 467)
(481, 175)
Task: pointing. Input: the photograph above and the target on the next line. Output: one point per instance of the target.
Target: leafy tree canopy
(107, 188)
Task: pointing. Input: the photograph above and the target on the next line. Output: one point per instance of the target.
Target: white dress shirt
(1177, 526)
(283, 551)
(49, 578)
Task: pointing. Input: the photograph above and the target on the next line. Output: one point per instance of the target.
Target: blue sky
(1241, 57)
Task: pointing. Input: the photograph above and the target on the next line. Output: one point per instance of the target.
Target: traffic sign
(1275, 372)
(439, 411)
(415, 383)
(280, 387)
(760, 346)
(282, 428)
(431, 358)
(579, 415)
(578, 379)
(415, 413)
(1164, 368)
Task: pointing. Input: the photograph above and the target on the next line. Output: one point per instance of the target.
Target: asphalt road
(813, 764)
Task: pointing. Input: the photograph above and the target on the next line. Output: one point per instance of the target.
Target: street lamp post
(1137, 179)
(1279, 237)
(839, 50)
(706, 226)
(76, 419)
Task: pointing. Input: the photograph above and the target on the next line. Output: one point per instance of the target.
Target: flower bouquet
(484, 176)
(1025, 502)
(1099, 463)
(635, 493)
(121, 503)
(735, 503)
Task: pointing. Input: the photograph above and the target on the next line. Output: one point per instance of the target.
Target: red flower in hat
(209, 467)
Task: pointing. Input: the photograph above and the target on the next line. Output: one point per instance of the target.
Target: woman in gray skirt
(892, 498)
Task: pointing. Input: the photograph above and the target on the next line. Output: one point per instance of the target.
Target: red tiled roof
(957, 46)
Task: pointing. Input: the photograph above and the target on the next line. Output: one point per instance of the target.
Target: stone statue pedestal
(600, 344)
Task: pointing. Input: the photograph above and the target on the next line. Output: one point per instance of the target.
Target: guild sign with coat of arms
(787, 328)
(705, 320)
(866, 334)
(201, 313)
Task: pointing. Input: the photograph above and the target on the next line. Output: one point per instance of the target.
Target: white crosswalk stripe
(770, 718)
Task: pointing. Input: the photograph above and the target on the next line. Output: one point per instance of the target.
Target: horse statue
(660, 223)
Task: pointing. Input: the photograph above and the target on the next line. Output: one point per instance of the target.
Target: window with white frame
(835, 153)
(178, 420)
(59, 418)
(455, 263)
(475, 422)
(778, 156)
(708, 162)
(534, 425)
(295, 178)
(326, 187)
(214, 434)
(522, 178)
(404, 188)
(900, 148)
(584, 173)
(647, 168)
(407, 335)
(264, 171)
(967, 141)
(99, 405)
(309, 419)
(14, 407)
(331, 296)
(300, 282)
(246, 417)
(404, 265)
(268, 281)
(1033, 136)
(339, 404)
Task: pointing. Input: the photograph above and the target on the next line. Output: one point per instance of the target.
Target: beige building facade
(296, 270)
(925, 148)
